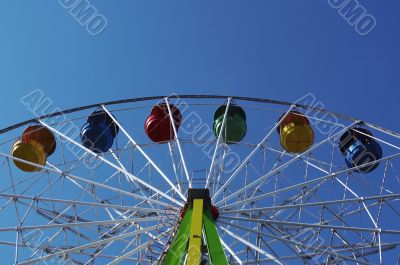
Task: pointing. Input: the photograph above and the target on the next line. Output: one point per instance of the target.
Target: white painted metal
(114, 166)
(210, 171)
(247, 159)
(171, 118)
(147, 157)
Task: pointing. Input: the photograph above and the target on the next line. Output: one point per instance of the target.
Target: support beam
(215, 249)
(189, 237)
(194, 251)
(177, 251)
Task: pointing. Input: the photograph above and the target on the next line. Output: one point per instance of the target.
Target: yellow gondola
(32, 152)
(296, 134)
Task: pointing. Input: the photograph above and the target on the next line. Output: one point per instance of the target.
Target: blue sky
(272, 49)
(278, 49)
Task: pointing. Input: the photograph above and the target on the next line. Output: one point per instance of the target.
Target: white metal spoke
(305, 183)
(51, 226)
(362, 202)
(247, 159)
(318, 251)
(113, 165)
(75, 202)
(217, 143)
(147, 157)
(272, 172)
(312, 204)
(231, 252)
(132, 252)
(58, 171)
(250, 245)
(323, 226)
(89, 245)
(171, 118)
(175, 168)
(128, 176)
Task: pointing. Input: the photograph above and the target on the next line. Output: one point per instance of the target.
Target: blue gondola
(99, 132)
(360, 148)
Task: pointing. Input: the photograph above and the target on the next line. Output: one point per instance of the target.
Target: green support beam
(188, 238)
(215, 249)
(177, 251)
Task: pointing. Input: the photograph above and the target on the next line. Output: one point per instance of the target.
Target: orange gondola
(41, 135)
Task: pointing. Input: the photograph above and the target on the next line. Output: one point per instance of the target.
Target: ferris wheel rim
(184, 96)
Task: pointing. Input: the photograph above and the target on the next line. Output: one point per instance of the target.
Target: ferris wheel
(198, 179)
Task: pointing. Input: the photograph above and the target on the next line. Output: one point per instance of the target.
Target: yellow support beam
(194, 251)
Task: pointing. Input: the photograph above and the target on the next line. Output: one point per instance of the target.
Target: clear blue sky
(277, 49)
